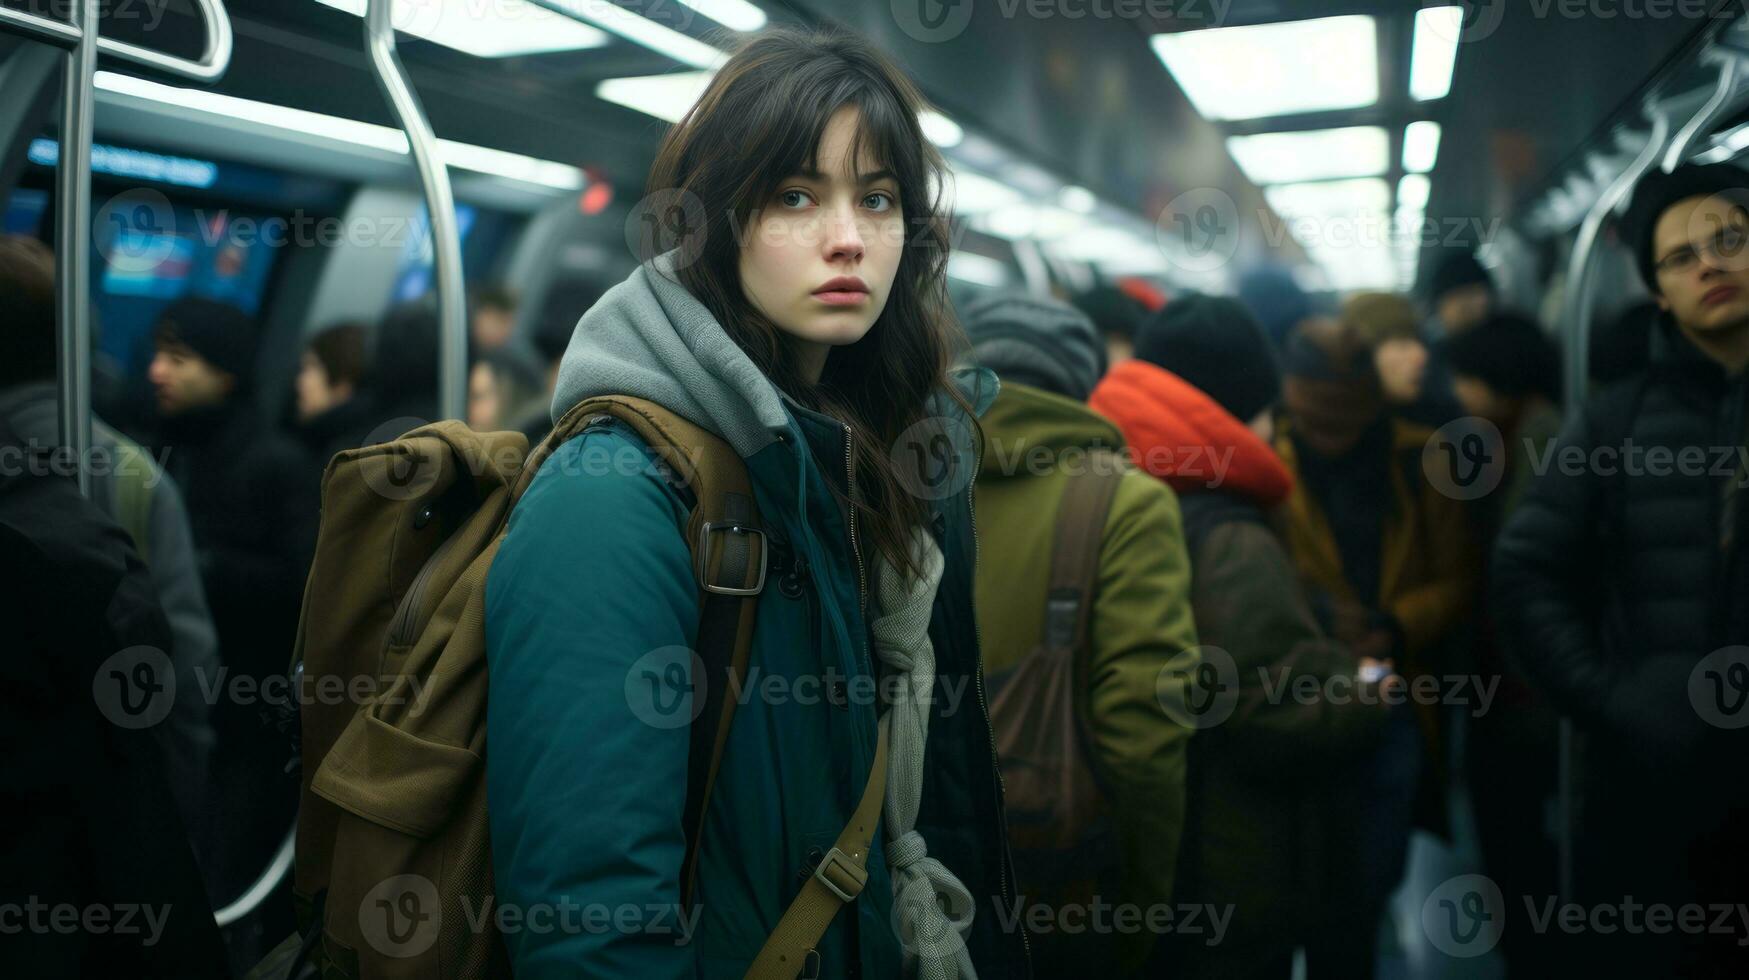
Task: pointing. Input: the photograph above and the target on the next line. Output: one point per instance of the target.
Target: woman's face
(821, 255)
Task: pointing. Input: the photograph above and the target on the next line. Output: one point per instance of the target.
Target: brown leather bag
(1060, 829)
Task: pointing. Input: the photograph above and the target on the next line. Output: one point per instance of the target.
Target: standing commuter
(1048, 357)
(1195, 407)
(132, 489)
(1622, 582)
(1387, 323)
(1388, 560)
(91, 817)
(253, 509)
(804, 325)
(333, 394)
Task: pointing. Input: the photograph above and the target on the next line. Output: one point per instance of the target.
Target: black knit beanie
(1657, 191)
(1217, 345)
(221, 334)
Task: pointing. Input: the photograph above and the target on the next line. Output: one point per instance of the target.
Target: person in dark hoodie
(132, 489)
(95, 868)
(1048, 357)
(333, 399)
(253, 509)
(1623, 583)
(1195, 407)
(804, 325)
(1389, 561)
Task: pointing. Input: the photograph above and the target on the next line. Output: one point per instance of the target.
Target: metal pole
(379, 36)
(73, 242)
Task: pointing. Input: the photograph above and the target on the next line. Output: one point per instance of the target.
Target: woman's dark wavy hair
(760, 122)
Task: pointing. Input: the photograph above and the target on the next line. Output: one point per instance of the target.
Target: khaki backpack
(393, 873)
(1060, 828)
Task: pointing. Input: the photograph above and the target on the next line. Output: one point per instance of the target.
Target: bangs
(887, 137)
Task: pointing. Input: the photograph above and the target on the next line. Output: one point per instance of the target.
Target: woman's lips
(842, 297)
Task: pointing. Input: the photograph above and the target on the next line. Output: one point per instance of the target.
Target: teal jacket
(591, 601)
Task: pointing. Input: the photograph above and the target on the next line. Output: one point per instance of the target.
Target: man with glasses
(1623, 584)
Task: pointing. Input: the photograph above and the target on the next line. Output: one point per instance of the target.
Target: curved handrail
(1728, 97)
(263, 886)
(1581, 303)
(379, 40)
(214, 58)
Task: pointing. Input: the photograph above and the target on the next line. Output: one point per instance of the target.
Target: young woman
(802, 319)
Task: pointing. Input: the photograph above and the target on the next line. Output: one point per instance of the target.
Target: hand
(1384, 672)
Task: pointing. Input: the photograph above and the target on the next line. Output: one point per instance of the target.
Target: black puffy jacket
(1620, 570)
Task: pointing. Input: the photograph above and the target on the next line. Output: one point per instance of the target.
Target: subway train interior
(1163, 488)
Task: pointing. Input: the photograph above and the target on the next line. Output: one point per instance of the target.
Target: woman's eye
(792, 199)
(878, 201)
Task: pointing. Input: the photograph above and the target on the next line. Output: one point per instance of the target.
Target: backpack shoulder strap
(730, 549)
(1074, 575)
(836, 882)
(134, 483)
(729, 554)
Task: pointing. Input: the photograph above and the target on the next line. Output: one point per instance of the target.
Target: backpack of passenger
(392, 874)
(1060, 827)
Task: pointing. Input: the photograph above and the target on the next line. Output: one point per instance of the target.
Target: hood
(33, 411)
(649, 338)
(1024, 420)
(1183, 436)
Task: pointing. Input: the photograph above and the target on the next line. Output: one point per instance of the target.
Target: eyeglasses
(1727, 245)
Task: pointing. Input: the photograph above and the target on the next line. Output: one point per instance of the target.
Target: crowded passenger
(252, 508)
(131, 489)
(334, 408)
(1622, 584)
(91, 813)
(1387, 323)
(502, 390)
(809, 350)
(1196, 407)
(1081, 615)
(1388, 561)
(492, 323)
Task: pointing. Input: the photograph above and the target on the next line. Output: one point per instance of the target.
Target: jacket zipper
(403, 621)
(855, 545)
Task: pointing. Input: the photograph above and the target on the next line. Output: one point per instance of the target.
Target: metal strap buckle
(841, 876)
(704, 553)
